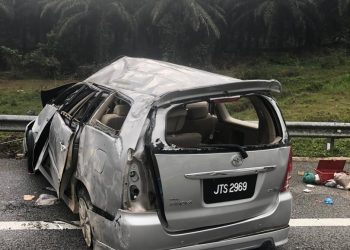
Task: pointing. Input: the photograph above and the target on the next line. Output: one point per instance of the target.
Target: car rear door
(207, 189)
(217, 185)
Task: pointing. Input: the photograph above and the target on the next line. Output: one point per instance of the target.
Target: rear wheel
(267, 246)
(30, 151)
(84, 204)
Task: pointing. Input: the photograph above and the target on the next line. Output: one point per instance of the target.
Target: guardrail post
(330, 144)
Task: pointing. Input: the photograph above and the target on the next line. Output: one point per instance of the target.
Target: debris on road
(327, 168)
(329, 173)
(307, 190)
(328, 201)
(19, 156)
(310, 186)
(311, 178)
(342, 179)
(46, 200)
(301, 173)
(331, 183)
(28, 197)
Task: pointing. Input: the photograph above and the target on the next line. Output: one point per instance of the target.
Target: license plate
(228, 189)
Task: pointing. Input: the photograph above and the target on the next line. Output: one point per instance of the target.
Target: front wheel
(84, 203)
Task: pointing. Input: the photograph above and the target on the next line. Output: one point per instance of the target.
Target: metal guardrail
(319, 129)
(14, 123)
(329, 130)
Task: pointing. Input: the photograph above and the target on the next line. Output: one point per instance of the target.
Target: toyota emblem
(236, 160)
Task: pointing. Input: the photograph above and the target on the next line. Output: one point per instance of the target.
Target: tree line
(63, 36)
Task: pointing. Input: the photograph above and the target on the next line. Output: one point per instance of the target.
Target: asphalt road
(15, 182)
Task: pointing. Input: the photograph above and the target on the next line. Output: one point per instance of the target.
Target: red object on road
(326, 169)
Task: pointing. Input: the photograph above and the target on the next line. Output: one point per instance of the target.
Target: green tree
(181, 26)
(343, 6)
(335, 21)
(12, 58)
(27, 30)
(344, 12)
(6, 8)
(88, 26)
(274, 23)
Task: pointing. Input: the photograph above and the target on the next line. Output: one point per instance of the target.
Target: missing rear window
(242, 120)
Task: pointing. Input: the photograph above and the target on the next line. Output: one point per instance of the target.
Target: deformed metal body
(145, 231)
(109, 138)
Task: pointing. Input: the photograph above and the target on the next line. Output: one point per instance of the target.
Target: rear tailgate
(213, 188)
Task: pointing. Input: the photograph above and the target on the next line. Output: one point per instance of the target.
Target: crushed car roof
(154, 77)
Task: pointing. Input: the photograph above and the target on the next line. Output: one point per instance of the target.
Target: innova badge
(236, 160)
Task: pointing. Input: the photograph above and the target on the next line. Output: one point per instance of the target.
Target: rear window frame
(270, 104)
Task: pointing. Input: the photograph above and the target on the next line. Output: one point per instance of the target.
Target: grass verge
(317, 148)
(20, 97)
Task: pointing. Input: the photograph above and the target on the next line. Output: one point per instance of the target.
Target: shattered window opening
(112, 117)
(240, 120)
(62, 97)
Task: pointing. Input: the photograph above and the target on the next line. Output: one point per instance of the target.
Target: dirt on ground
(11, 146)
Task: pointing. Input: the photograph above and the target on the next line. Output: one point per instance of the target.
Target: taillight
(137, 192)
(288, 175)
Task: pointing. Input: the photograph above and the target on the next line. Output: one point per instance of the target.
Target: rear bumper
(277, 237)
(144, 231)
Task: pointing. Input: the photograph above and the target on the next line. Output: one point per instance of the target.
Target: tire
(267, 246)
(84, 206)
(30, 151)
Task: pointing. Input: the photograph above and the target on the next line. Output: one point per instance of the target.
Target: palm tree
(194, 13)
(91, 24)
(343, 6)
(181, 25)
(344, 11)
(6, 8)
(274, 23)
(335, 21)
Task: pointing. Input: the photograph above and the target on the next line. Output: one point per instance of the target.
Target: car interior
(113, 114)
(245, 120)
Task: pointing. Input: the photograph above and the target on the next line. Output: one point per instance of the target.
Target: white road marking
(60, 225)
(324, 222)
(37, 225)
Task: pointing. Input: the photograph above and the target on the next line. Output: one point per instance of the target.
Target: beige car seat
(198, 120)
(117, 118)
(174, 135)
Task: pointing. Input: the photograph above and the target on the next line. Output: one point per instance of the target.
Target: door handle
(62, 147)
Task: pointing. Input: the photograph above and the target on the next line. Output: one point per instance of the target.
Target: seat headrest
(175, 120)
(197, 110)
(107, 118)
(121, 109)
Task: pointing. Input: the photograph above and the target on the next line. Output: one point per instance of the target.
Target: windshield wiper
(237, 147)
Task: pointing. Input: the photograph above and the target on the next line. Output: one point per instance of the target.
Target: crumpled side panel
(44, 116)
(131, 131)
(100, 167)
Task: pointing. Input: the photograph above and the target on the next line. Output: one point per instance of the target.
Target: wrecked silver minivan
(154, 155)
